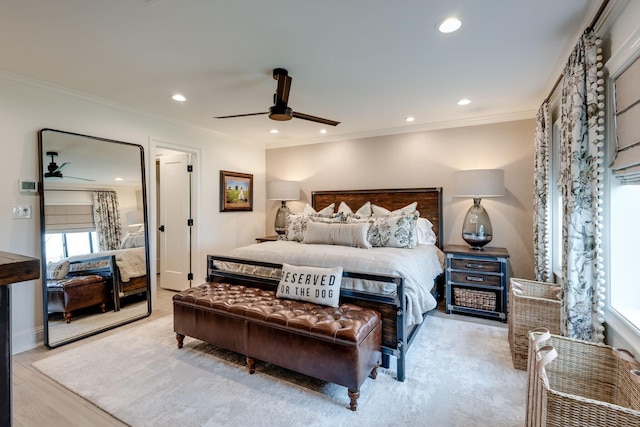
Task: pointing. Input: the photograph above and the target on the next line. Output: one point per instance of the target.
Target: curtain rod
(594, 21)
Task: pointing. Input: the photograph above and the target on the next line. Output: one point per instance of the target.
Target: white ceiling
(366, 63)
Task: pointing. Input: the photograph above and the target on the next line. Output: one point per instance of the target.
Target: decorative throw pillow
(297, 224)
(133, 240)
(57, 270)
(364, 211)
(313, 284)
(394, 231)
(424, 232)
(308, 210)
(354, 234)
(380, 211)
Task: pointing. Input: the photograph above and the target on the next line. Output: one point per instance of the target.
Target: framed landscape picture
(236, 191)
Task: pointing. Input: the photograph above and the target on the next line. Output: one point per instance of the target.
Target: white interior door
(175, 217)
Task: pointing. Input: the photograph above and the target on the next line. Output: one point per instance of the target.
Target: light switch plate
(21, 211)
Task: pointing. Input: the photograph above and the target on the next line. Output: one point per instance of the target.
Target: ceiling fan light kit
(280, 111)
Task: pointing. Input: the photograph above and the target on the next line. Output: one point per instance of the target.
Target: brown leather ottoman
(73, 293)
(339, 345)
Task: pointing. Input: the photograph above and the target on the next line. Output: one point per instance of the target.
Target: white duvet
(419, 267)
(131, 262)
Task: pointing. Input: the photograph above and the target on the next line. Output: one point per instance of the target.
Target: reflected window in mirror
(95, 264)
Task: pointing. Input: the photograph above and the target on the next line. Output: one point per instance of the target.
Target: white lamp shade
(478, 183)
(283, 190)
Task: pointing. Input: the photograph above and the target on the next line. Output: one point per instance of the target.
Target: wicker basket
(531, 305)
(474, 299)
(578, 383)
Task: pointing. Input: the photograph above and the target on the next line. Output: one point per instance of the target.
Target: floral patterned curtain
(581, 182)
(542, 195)
(106, 214)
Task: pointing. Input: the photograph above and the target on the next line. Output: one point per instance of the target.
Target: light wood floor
(40, 401)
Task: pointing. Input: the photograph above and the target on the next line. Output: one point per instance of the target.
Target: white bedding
(419, 266)
(131, 262)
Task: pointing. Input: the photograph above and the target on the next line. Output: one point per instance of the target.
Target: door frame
(156, 145)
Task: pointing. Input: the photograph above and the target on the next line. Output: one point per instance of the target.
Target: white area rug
(459, 373)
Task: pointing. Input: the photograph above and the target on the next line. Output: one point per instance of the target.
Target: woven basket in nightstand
(578, 383)
(473, 298)
(531, 305)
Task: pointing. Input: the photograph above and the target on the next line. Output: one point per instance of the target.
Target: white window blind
(69, 218)
(626, 163)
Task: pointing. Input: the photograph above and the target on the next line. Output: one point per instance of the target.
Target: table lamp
(478, 183)
(283, 191)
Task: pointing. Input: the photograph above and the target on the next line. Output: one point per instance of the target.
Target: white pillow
(394, 231)
(424, 231)
(364, 211)
(380, 211)
(313, 284)
(57, 270)
(308, 210)
(353, 234)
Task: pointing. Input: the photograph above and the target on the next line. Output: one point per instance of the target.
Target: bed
(124, 269)
(416, 273)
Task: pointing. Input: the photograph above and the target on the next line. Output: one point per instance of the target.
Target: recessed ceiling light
(464, 101)
(178, 97)
(323, 131)
(118, 179)
(449, 25)
(409, 119)
(274, 131)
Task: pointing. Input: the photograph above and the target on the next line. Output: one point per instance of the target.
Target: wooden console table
(13, 268)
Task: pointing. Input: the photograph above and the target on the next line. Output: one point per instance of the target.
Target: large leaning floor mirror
(94, 235)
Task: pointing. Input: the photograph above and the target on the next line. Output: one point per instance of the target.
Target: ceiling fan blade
(75, 177)
(315, 119)
(240, 115)
(282, 93)
(62, 166)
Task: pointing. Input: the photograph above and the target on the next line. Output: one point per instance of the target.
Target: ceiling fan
(280, 111)
(55, 171)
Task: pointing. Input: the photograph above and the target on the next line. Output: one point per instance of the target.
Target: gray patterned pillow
(297, 224)
(394, 231)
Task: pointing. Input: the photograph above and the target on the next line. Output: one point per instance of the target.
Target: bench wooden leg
(353, 397)
(180, 339)
(251, 363)
(374, 372)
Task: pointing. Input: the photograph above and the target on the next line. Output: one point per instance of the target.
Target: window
(556, 204)
(624, 240)
(63, 245)
(624, 195)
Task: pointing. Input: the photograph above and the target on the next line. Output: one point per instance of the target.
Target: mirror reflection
(94, 235)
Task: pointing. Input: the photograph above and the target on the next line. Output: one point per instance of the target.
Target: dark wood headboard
(429, 202)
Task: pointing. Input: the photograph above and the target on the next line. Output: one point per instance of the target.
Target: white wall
(426, 159)
(26, 107)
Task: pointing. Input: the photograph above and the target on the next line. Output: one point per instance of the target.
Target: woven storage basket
(578, 383)
(474, 299)
(531, 305)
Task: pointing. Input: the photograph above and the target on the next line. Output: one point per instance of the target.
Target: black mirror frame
(43, 263)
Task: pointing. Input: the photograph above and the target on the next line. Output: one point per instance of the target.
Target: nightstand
(476, 281)
(267, 239)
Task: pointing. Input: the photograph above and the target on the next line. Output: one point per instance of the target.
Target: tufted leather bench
(73, 293)
(339, 345)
